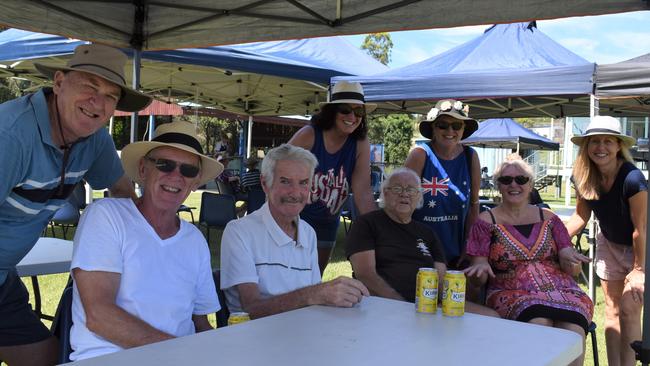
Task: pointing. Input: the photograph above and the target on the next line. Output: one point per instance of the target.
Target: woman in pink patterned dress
(527, 254)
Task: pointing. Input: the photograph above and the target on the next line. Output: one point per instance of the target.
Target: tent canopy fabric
(508, 134)
(167, 24)
(283, 77)
(629, 78)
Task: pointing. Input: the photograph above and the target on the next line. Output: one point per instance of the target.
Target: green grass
(52, 285)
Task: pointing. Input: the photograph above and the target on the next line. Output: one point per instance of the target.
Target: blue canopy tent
(506, 133)
(511, 70)
(264, 78)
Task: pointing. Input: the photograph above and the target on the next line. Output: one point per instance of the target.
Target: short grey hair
(517, 161)
(400, 171)
(287, 152)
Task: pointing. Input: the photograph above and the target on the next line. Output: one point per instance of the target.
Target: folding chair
(348, 212)
(216, 211)
(223, 314)
(256, 198)
(62, 323)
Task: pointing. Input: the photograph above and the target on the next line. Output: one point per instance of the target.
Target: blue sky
(602, 39)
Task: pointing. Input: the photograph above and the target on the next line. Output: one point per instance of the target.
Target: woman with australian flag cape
(450, 177)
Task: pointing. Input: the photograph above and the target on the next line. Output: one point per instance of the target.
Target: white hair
(287, 152)
(396, 172)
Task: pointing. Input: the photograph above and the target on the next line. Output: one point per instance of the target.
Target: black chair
(65, 217)
(256, 198)
(223, 314)
(348, 212)
(216, 211)
(62, 323)
(184, 208)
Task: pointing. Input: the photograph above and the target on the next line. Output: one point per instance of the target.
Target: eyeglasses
(456, 126)
(168, 166)
(506, 179)
(346, 109)
(411, 191)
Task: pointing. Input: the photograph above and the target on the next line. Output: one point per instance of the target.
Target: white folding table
(377, 332)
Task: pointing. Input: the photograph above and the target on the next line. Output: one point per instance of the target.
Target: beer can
(426, 291)
(453, 296)
(236, 318)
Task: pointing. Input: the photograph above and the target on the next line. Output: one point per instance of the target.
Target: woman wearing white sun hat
(337, 137)
(608, 183)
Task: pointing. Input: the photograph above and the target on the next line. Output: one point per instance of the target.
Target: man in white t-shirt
(142, 275)
(269, 259)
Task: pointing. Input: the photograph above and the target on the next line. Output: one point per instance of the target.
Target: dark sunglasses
(346, 109)
(506, 179)
(168, 166)
(456, 126)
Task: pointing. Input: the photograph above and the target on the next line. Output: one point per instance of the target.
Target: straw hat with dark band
(348, 92)
(604, 125)
(180, 135)
(107, 63)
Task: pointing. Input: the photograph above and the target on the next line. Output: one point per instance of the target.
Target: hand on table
(342, 291)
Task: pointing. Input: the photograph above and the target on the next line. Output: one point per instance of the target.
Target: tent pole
(110, 126)
(151, 126)
(249, 136)
(136, 82)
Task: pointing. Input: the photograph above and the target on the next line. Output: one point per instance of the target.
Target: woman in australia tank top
(451, 176)
(337, 137)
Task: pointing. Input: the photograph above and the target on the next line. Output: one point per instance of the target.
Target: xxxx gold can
(453, 296)
(236, 318)
(426, 291)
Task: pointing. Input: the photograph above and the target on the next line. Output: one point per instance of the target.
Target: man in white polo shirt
(269, 259)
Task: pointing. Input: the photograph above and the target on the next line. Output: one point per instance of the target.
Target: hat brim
(426, 127)
(628, 141)
(370, 107)
(131, 100)
(132, 153)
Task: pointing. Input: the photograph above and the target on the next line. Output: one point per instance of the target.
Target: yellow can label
(426, 291)
(236, 318)
(453, 296)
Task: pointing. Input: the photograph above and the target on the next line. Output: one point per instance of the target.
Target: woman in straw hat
(337, 137)
(451, 176)
(608, 183)
(142, 274)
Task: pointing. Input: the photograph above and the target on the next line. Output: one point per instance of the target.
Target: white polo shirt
(254, 249)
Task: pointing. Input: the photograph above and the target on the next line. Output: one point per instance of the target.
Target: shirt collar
(39, 103)
(277, 234)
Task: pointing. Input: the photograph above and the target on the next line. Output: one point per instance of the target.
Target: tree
(379, 46)
(397, 134)
(210, 130)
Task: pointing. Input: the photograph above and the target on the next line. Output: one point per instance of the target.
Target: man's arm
(341, 292)
(201, 323)
(97, 290)
(123, 188)
(364, 267)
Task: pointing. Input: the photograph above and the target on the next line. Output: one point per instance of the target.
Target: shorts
(613, 261)
(325, 244)
(19, 324)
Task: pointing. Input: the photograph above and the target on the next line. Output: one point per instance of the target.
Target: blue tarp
(506, 133)
(507, 60)
(315, 59)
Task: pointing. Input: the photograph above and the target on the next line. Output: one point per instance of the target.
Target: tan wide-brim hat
(449, 107)
(348, 92)
(180, 135)
(604, 125)
(107, 63)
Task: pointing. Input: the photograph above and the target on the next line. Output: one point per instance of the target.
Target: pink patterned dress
(529, 282)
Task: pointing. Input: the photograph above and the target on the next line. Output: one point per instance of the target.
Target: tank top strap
(494, 220)
(541, 214)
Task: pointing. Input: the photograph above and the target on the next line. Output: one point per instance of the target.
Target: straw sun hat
(449, 107)
(180, 135)
(107, 63)
(348, 92)
(604, 125)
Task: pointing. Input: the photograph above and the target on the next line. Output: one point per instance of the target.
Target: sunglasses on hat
(346, 109)
(506, 179)
(456, 126)
(168, 166)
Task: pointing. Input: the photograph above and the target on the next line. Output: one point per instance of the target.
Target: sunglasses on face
(346, 109)
(506, 179)
(456, 126)
(168, 166)
(411, 191)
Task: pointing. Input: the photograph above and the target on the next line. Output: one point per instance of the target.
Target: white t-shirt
(162, 282)
(254, 249)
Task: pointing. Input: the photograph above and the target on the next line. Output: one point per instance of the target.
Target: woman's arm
(415, 160)
(579, 218)
(635, 280)
(303, 138)
(472, 215)
(363, 197)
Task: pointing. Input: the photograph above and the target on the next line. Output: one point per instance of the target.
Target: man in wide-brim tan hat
(50, 141)
(143, 275)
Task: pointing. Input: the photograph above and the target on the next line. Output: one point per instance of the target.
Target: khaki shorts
(613, 261)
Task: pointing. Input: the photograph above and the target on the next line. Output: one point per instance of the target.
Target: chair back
(66, 215)
(223, 314)
(224, 188)
(256, 198)
(62, 323)
(217, 210)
